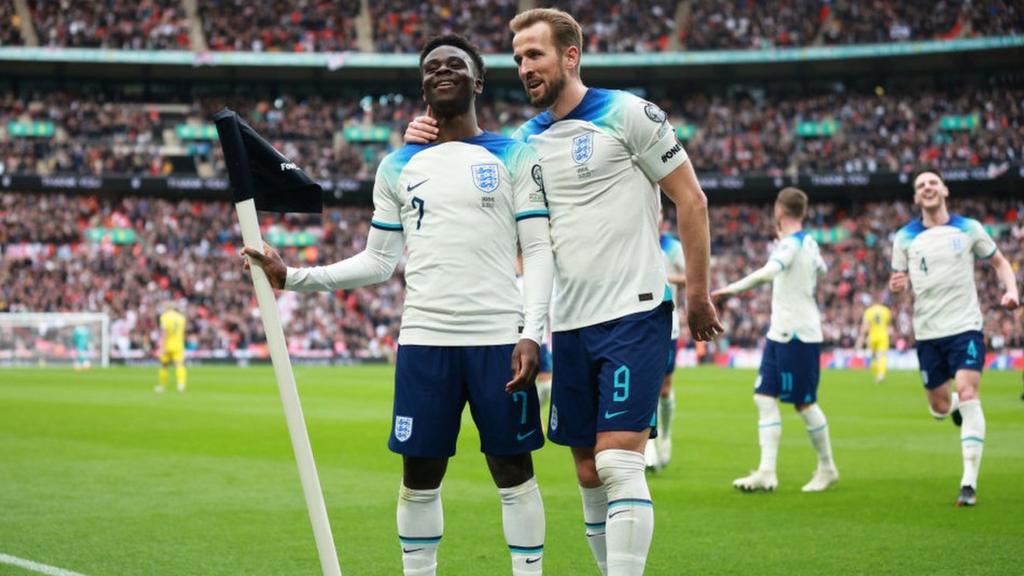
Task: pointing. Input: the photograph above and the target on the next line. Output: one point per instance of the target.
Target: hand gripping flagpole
(245, 205)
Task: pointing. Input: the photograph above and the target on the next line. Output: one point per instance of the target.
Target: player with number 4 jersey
(935, 255)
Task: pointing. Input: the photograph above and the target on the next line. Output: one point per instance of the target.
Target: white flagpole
(246, 210)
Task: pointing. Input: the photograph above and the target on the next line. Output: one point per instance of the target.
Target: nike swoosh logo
(616, 513)
(609, 415)
(411, 550)
(532, 560)
(522, 437)
(412, 187)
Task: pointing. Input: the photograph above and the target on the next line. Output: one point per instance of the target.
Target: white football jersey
(794, 307)
(602, 162)
(457, 204)
(940, 261)
(675, 263)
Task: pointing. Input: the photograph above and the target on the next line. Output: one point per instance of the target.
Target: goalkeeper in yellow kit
(875, 327)
(172, 347)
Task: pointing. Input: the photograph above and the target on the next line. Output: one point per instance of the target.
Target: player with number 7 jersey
(460, 206)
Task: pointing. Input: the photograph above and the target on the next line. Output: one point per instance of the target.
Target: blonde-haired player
(876, 328)
(172, 347)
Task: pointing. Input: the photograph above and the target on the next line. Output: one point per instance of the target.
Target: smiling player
(935, 256)
(460, 206)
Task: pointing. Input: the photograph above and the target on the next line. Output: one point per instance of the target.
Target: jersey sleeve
(386, 205)
(529, 196)
(785, 251)
(899, 253)
(982, 245)
(651, 138)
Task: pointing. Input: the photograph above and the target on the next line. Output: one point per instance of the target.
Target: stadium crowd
(96, 134)
(307, 26)
(403, 25)
(187, 251)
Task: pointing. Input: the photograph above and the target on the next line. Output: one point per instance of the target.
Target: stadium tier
(746, 133)
(402, 26)
(128, 256)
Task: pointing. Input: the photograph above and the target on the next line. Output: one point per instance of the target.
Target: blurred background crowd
(402, 26)
(187, 251)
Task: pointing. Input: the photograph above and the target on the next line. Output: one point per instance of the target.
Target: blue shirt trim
(532, 214)
(385, 226)
(594, 105)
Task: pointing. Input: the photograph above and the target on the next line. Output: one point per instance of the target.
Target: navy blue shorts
(546, 365)
(608, 376)
(790, 371)
(942, 357)
(432, 386)
(673, 348)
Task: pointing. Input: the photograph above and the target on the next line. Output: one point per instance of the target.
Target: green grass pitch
(100, 475)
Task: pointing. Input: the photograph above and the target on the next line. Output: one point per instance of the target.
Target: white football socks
(666, 408)
(522, 516)
(972, 440)
(543, 391)
(630, 523)
(420, 526)
(595, 514)
(817, 429)
(769, 430)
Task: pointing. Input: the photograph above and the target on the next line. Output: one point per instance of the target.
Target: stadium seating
(731, 135)
(188, 250)
(402, 26)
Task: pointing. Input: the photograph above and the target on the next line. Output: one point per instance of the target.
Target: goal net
(54, 339)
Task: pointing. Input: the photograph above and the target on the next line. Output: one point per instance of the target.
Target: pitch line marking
(35, 566)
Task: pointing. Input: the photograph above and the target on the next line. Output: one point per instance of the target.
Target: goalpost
(46, 339)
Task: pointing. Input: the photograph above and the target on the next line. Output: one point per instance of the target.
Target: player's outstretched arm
(1004, 270)
(422, 129)
(762, 275)
(374, 264)
(681, 187)
(271, 263)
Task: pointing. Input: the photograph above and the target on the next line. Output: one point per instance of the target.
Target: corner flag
(262, 178)
(257, 170)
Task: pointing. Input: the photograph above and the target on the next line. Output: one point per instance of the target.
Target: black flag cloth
(257, 170)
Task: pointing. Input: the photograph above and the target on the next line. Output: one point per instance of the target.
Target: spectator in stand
(44, 238)
(98, 134)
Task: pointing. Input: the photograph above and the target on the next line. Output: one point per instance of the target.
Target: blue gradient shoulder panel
(392, 164)
(596, 107)
(506, 149)
(963, 224)
(912, 230)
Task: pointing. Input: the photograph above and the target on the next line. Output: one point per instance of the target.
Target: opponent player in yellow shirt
(876, 326)
(172, 347)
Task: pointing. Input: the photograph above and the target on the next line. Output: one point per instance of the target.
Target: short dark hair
(927, 169)
(793, 202)
(565, 30)
(460, 43)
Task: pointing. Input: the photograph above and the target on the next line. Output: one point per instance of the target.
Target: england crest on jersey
(582, 147)
(403, 428)
(486, 177)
